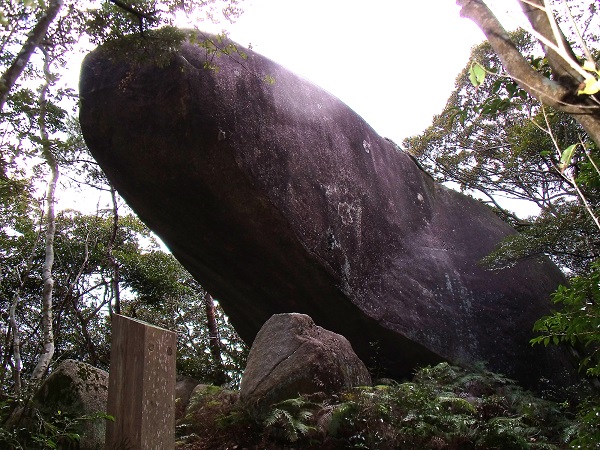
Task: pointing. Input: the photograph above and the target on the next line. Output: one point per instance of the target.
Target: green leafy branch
(578, 322)
(565, 159)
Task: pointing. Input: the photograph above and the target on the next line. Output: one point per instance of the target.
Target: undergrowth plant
(36, 430)
(290, 419)
(443, 407)
(576, 323)
(450, 408)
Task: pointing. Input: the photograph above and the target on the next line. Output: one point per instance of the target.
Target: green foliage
(155, 288)
(577, 322)
(567, 156)
(586, 428)
(496, 142)
(213, 417)
(476, 143)
(94, 263)
(493, 142)
(160, 46)
(443, 407)
(476, 74)
(186, 315)
(447, 407)
(35, 430)
(215, 47)
(155, 276)
(289, 419)
(157, 46)
(168, 296)
(563, 234)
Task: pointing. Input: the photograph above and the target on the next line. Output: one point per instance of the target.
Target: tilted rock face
(292, 356)
(279, 198)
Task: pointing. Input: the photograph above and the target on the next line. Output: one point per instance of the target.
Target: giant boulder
(277, 197)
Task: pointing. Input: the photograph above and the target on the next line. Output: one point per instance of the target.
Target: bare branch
(580, 41)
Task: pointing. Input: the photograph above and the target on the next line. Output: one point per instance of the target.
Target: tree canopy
(65, 272)
(497, 143)
(572, 86)
(523, 123)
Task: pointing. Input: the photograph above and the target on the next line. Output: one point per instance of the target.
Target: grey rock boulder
(292, 356)
(77, 389)
(279, 198)
(184, 386)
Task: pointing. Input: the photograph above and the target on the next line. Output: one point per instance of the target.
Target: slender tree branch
(558, 52)
(35, 37)
(48, 281)
(570, 177)
(580, 41)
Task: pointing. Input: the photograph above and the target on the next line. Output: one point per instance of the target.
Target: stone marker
(141, 386)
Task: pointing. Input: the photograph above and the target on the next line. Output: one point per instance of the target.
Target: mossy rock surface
(76, 389)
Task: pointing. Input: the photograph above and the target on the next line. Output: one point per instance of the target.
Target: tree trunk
(47, 280)
(114, 284)
(89, 342)
(16, 344)
(214, 340)
(14, 334)
(35, 36)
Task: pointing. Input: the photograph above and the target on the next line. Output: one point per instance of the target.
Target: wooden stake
(141, 386)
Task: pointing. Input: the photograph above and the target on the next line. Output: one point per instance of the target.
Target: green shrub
(35, 430)
(444, 407)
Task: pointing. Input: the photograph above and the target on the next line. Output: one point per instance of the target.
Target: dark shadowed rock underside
(279, 198)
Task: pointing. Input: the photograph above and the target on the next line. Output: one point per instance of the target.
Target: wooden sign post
(141, 386)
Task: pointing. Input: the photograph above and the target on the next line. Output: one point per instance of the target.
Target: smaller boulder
(292, 356)
(76, 389)
(183, 391)
(205, 396)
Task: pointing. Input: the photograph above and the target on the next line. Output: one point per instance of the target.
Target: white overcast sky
(393, 62)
